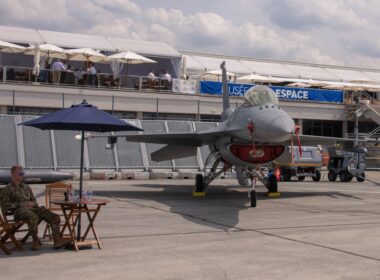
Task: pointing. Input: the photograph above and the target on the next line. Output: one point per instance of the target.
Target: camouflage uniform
(13, 199)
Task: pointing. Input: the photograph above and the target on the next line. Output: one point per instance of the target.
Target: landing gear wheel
(331, 176)
(350, 177)
(199, 184)
(361, 177)
(252, 195)
(272, 184)
(344, 176)
(317, 176)
(301, 178)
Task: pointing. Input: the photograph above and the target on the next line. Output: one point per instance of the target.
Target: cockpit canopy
(260, 95)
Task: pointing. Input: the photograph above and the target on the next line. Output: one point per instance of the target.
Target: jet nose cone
(283, 125)
(277, 127)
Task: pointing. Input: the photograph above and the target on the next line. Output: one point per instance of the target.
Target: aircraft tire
(344, 176)
(361, 177)
(331, 176)
(301, 178)
(317, 176)
(253, 198)
(272, 184)
(199, 184)
(350, 177)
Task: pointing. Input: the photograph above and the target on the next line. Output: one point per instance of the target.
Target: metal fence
(59, 150)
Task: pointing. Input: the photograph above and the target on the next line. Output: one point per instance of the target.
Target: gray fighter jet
(255, 135)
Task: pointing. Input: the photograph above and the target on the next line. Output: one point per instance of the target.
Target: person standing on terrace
(91, 73)
(57, 68)
(151, 79)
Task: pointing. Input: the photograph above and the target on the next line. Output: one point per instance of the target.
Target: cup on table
(89, 194)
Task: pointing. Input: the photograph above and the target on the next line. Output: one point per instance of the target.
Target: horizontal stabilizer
(172, 152)
(312, 140)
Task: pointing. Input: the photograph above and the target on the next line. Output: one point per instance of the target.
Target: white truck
(300, 167)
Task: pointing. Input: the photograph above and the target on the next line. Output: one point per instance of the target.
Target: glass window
(322, 128)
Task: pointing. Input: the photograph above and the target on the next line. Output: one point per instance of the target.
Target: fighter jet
(253, 138)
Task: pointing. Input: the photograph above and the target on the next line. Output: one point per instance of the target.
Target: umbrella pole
(80, 184)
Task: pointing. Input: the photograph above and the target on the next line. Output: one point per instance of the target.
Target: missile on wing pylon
(37, 176)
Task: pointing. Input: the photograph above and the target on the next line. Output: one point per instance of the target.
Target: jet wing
(195, 139)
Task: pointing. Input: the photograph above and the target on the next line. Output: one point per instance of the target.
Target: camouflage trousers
(32, 216)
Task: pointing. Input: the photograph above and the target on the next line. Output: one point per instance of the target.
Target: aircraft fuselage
(271, 127)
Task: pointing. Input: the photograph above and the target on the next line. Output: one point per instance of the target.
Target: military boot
(60, 242)
(55, 228)
(36, 244)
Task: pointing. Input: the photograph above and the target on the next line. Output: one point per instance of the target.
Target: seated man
(18, 198)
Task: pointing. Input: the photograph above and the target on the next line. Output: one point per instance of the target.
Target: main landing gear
(201, 182)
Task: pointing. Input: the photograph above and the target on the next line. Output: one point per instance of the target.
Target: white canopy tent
(169, 57)
(346, 75)
(196, 63)
(148, 48)
(76, 40)
(20, 35)
(311, 72)
(273, 69)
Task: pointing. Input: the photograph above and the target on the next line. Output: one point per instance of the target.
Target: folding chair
(8, 218)
(7, 232)
(55, 192)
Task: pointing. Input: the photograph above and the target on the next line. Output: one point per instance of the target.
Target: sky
(334, 32)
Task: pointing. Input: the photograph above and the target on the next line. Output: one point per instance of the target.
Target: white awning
(208, 63)
(311, 72)
(148, 48)
(269, 68)
(19, 35)
(76, 40)
(374, 76)
(192, 64)
(347, 75)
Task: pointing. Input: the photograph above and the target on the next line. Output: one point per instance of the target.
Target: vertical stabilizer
(226, 98)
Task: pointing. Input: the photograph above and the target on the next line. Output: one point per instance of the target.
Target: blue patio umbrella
(82, 117)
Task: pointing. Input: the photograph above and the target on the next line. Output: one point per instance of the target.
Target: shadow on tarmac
(219, 208)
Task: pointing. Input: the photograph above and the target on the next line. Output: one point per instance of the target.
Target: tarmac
(156, 229)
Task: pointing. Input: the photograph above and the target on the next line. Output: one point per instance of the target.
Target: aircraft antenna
(226, 98)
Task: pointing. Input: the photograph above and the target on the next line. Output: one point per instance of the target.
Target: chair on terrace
(55, 192)
(7, 232)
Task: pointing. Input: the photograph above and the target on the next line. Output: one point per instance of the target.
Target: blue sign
(283, 93)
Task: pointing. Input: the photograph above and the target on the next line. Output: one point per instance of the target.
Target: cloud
(118, 6)
(299, 14)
